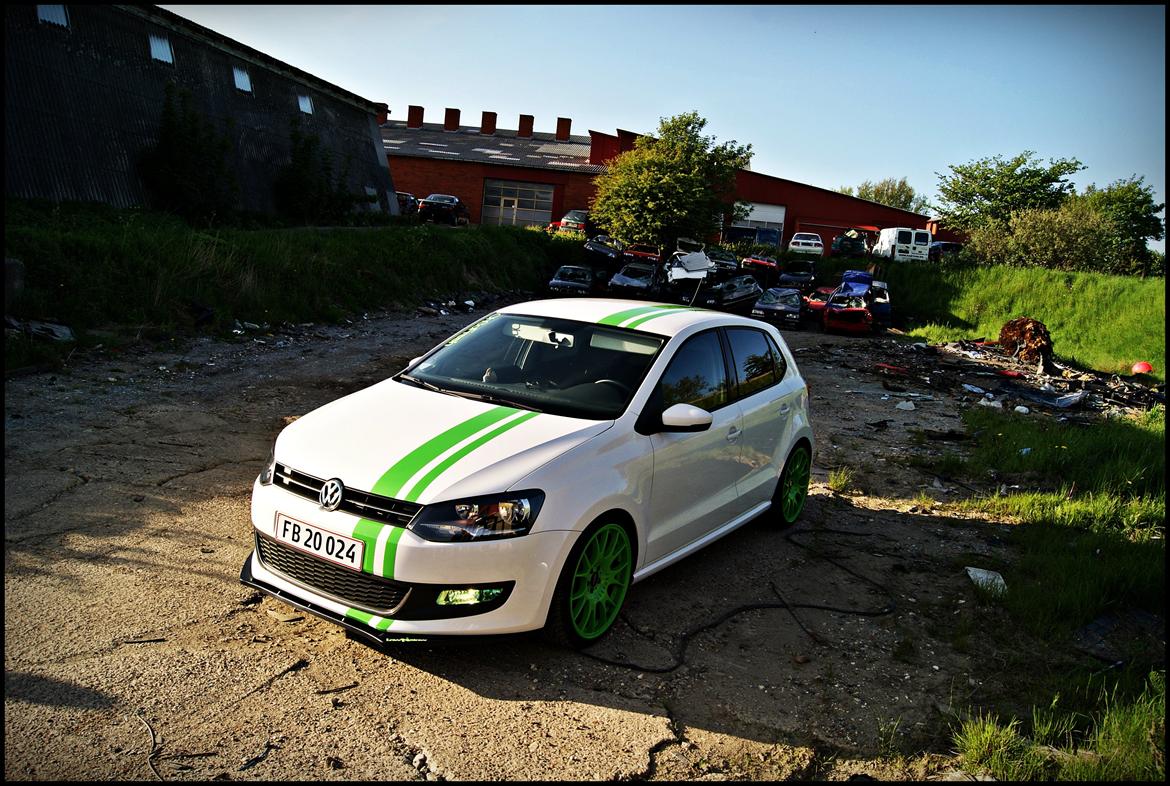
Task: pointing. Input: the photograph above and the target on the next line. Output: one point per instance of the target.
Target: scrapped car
(758, 263)
(735, 294)
(642, 252)
(848, 309)
(807, 243)
(634, 280)
(444, 209)
(723, 259)
(849, 244)
(576, 280)
(942, 248)
(527, 471)
(780, 306)
(798, 274)
(575, 221)
(407, 204)
(604, 250)
(814, 302)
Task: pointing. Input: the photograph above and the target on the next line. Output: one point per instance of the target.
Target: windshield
(796, 268)
(636, 272)
(442, 198)
(775, 297)
(546, 364)
(578, 274)
(575, 215)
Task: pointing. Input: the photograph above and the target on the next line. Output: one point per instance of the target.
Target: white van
(902, 244)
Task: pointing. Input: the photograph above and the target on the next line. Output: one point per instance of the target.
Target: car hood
(409, 443)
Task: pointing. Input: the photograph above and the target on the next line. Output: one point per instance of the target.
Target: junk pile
(1015, 373)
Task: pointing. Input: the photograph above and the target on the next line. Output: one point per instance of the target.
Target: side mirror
(686, 417)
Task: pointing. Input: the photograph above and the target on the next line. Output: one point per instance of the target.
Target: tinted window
(696, 375)
(904, 236)
(778, 359)
(751, 357)
(921, 238)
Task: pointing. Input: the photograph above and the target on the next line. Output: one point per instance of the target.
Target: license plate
(318, 542)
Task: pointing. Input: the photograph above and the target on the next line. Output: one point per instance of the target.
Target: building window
(53, 14)
(306, 104)
(513, 203)
(160, 48)
(243, 81)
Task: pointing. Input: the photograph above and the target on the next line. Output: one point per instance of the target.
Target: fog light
(466, 597)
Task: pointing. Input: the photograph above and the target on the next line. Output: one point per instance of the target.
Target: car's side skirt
(692, 547)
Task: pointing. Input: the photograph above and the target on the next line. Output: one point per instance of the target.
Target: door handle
(733, 434)
(784, 409)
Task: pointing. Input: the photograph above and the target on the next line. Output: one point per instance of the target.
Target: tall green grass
(88, 266)
(1098, 321)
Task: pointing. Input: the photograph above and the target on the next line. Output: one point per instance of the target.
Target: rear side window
(904, 236)
(755, 368)
(697, 375)
(922, 238)
(778, 359)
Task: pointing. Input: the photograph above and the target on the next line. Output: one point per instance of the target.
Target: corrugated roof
(540, 151)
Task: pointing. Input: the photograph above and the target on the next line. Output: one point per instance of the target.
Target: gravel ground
(132, 652)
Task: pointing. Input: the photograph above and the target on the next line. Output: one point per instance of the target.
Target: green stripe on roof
(622, 316)
(657, 314)
(392, 481)
(445, 464)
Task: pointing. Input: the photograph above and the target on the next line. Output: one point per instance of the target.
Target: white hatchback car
(807, 243)
(523, 473)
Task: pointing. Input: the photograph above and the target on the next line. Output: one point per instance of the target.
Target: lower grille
(370, 593)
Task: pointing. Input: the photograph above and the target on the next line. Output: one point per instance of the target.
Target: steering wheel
(621, 385)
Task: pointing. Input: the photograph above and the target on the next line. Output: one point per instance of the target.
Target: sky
(826, 95)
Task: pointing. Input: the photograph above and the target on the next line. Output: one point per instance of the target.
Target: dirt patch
(131, 648)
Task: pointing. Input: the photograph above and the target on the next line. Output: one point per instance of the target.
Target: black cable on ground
(679, 656)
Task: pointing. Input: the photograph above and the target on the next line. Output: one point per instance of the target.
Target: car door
(696, 474)
(767, 396)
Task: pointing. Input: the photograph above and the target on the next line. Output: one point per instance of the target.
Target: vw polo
(525, 472)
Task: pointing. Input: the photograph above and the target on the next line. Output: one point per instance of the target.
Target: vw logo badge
(331, 493)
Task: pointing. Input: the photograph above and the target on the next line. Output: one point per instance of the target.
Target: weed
(888, 747)
(840, 479)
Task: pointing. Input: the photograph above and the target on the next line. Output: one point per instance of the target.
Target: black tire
(572, 629)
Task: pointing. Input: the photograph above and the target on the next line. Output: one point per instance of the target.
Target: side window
(696, 375)
(778, 359)
(751, 357)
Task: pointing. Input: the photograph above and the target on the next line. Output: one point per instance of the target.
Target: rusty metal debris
(1027, 339)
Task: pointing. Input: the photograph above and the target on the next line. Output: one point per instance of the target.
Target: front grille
(359, 503)
(372, 593)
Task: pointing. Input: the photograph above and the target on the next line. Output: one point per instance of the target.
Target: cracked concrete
(127, 521)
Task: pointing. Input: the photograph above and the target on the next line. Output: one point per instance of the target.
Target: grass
(840, 479)
(1102, 322)
(1089, 536)
(1124, 739)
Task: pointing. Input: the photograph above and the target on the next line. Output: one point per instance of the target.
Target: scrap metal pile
(1015, 372)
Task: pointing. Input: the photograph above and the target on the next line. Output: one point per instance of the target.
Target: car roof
(852, 288)
(664, 319)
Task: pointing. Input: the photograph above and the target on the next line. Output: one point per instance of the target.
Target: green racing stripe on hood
(392, 481)
(445, 464)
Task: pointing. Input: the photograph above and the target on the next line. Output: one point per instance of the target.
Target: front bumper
(524, 569)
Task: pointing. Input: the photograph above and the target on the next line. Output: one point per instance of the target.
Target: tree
(305, 191)
(186, 172)
(1129, 204)
(991, 189)
(678, 184)
(890, 192)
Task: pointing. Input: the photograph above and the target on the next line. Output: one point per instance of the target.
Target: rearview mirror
(685, 417)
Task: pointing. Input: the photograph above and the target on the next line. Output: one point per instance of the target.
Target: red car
(848, 310)
(641, 252)
(814, 302)
(757, 263)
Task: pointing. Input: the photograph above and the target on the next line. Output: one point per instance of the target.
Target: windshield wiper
(421, 383)
(489, 398)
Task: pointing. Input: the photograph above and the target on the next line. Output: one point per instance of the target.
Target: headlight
(269, 468)
(482, 518)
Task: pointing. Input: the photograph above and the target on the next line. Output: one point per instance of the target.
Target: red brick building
(528, 177)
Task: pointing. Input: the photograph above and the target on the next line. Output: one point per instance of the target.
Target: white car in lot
(807, 243)
(525, 472)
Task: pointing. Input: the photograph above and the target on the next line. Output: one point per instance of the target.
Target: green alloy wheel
(792, 489)
(592, 587)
